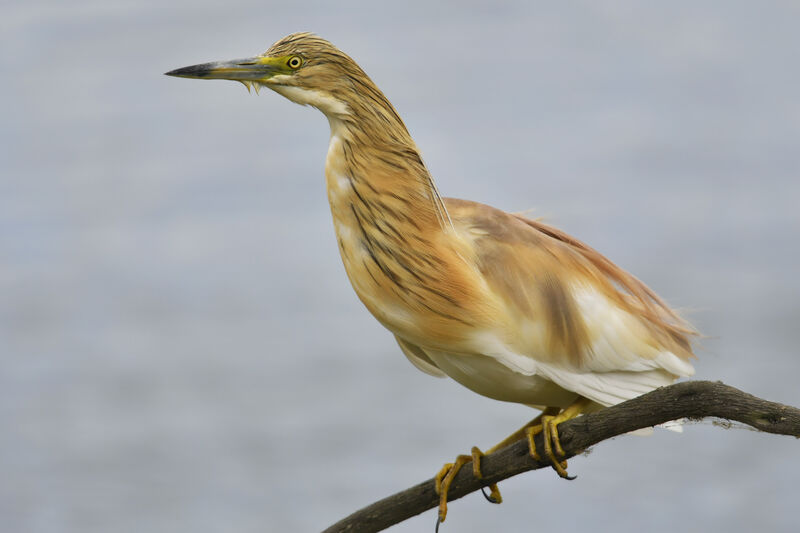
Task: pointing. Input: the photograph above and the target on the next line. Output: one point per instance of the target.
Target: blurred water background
(180, 349)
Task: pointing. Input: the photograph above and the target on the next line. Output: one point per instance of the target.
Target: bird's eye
(294, 62)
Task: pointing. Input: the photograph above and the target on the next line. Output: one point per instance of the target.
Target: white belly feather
(491, 378)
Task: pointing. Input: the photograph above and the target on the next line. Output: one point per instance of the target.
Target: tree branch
(693, 399)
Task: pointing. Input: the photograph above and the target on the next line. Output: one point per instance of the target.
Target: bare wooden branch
(693, 400)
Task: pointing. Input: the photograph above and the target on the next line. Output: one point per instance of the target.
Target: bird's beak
(249, 69)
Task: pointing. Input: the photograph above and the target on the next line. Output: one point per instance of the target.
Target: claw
(494, 495)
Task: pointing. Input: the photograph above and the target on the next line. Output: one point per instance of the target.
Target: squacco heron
(509, 307)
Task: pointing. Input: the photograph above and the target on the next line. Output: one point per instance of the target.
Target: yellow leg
(549, 426)
(521, 432)
(444, 478)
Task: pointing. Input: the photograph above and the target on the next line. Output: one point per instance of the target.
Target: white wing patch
(609, 388)
(620, 341)
(622, 360)
(606, 388)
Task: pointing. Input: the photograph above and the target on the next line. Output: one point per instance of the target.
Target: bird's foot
(552, 444)
(444, 478)
(548, 425)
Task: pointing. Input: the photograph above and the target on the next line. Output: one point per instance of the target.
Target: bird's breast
(401, 265)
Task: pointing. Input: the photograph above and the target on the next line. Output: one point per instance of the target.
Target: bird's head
(302, 67)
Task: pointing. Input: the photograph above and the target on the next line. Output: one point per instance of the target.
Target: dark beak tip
(195, 71)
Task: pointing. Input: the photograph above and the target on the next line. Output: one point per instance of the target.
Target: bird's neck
(373, 167)
(373, 163)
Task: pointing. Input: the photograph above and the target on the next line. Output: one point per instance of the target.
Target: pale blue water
(181, 350)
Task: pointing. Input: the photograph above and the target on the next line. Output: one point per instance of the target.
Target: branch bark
(694, 400)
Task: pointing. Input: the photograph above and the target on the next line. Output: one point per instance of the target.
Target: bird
(508, 306)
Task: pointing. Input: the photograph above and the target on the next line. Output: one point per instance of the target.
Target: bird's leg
(444, 478)
(522, 432)
(549, 426)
